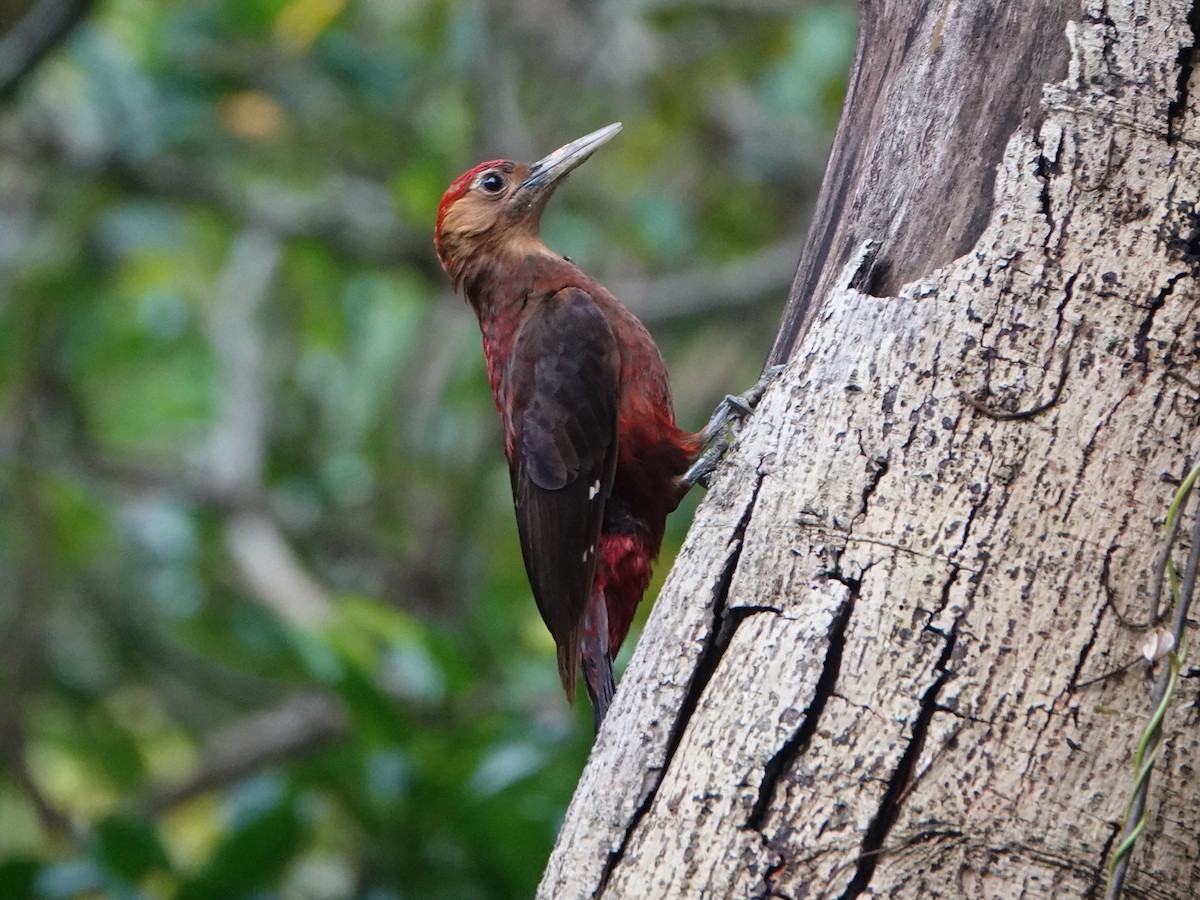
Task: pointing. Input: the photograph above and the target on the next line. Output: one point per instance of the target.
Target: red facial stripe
(460, 186)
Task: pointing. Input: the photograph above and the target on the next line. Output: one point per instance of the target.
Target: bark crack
(1177, 108)
(1042, 173)
(877, 468)
(1141, 340)
(889, 806)
(976, 505)
(797, 745)
(1098, 874)
(724, 623)
(1085, 455)
(1086, 650)
(1031, 757)
(944, 598)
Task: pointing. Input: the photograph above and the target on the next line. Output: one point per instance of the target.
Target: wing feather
(563, 383)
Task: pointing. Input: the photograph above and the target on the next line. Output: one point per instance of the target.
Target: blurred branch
(356, 217)
(23, 645)
(35, 34)
(189, 486)
(754, 7)
(397, 575)
(273, 572)
(238, 444)
(15, 758)
(742, 282)
(352, 214)
(238, 440)
(302, 723)
(173, 660)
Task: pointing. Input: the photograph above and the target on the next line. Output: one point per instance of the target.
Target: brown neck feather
(488, 257)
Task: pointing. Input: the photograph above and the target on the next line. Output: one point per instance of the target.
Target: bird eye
(492, 182)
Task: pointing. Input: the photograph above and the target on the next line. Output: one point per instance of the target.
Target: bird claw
(726, 418)
(737, 405)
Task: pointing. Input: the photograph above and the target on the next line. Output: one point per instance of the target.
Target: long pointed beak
(547, 172)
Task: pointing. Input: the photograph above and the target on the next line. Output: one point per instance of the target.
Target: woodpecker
(595, 456)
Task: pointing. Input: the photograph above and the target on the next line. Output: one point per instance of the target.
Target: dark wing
(563, 384)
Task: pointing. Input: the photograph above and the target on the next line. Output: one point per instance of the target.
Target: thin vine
(1174, 643)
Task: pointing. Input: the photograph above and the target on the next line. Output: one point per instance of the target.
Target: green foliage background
(264, 629)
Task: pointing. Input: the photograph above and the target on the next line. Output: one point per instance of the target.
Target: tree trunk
(899, 653)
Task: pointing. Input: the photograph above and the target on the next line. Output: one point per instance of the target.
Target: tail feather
(601, 685)
(568, 664)
(596, 659)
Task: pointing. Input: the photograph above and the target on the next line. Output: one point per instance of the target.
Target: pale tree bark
(899, 653)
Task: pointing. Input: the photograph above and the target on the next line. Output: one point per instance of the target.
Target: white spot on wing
(594, 489)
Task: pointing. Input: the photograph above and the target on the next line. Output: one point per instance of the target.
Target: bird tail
(568, 664)
(596, 659)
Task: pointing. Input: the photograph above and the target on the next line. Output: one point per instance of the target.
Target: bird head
(494, 209)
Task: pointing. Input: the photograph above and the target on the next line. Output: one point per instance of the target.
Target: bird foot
(721, 429)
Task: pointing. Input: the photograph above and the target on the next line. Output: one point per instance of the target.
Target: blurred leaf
(129, 847)
(252, 856)
(376, 717)
(79, 517)
(18, 878)
(302, 21)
